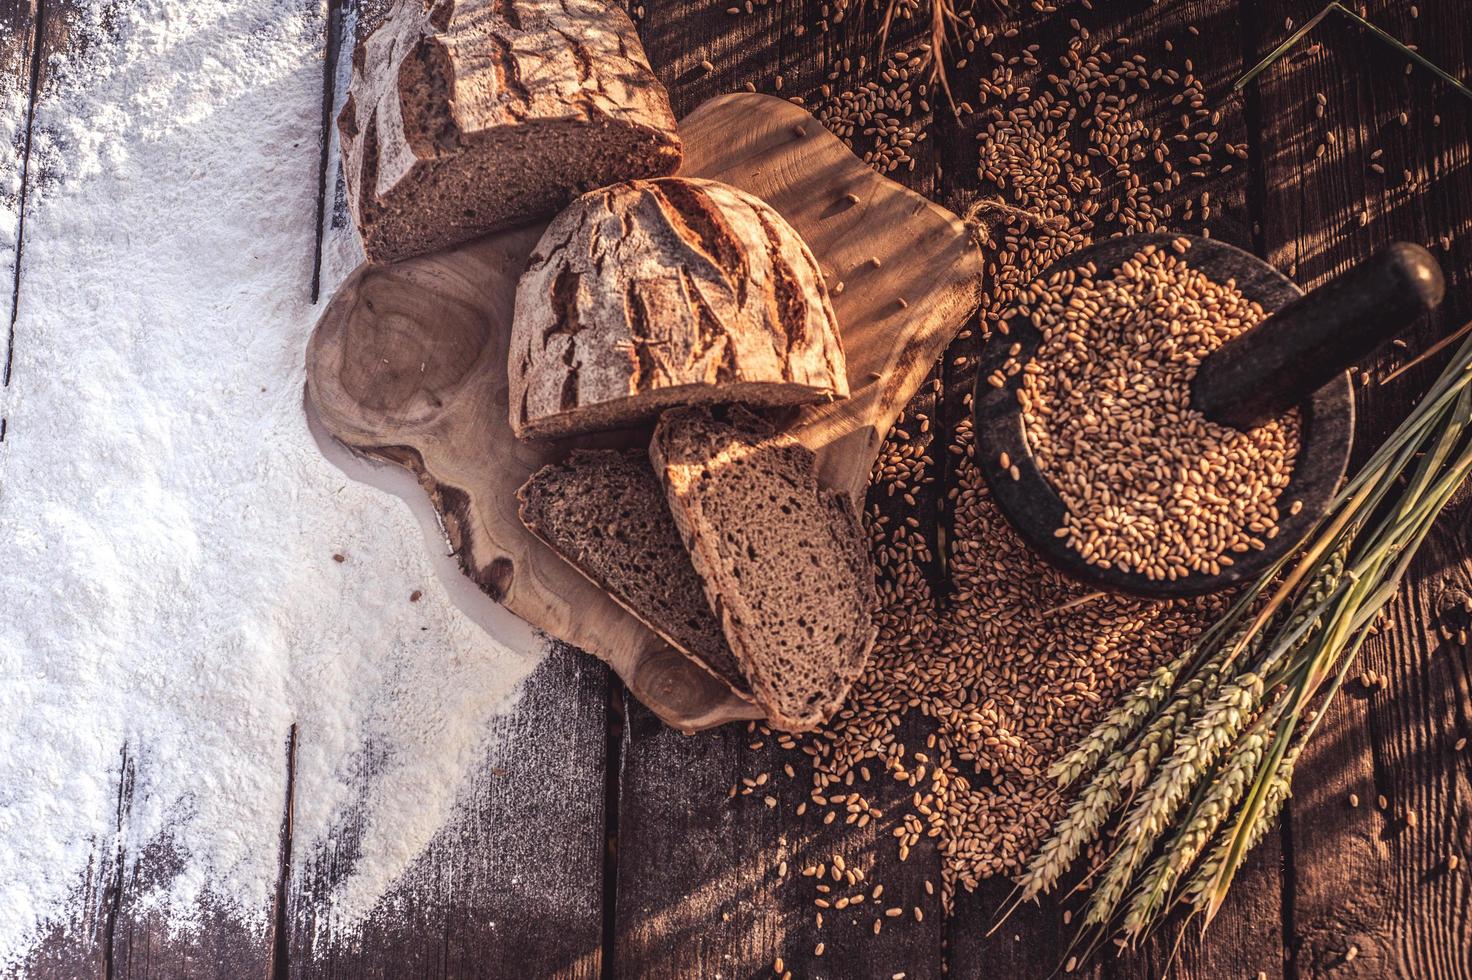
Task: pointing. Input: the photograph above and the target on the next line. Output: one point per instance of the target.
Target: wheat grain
(1149, 484)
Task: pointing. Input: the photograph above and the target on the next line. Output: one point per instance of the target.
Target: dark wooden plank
(712, 846)
(700, 886)
(112, 931)
(79, 943)
(701, 883)
(1246, 938)
(141, 940)
(697, 884)
(681, 38)
(1370, 893)
(513, 885)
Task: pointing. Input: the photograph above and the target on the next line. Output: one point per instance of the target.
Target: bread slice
(465, 117)
(784, 561)
(656, 294)
(603, 511)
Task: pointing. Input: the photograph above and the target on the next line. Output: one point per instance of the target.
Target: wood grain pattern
(700, 884)
(1362, 878)
(408, 364)
(114, 930)
(80, 943)
(144, 940)
(512, 886)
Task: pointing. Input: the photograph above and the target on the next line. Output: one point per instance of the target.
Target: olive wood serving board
(408, 364)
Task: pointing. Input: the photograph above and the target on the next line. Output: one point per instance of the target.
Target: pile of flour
(168, 527)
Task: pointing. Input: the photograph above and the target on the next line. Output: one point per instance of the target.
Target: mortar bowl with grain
(1298, 356)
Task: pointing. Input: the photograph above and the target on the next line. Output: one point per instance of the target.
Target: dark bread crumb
(604, 512)
(784, 561)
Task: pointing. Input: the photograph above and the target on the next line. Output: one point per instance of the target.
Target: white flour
(167, 525)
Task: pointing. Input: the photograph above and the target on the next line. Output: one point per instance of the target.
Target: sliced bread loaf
(660, 293)
(784, 561)
(604, 512)
(468, 116)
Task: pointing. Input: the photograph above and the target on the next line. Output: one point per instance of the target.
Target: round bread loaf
(656, 293)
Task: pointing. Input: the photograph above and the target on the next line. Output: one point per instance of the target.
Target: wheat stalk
(941, 21)
(1197, 761)
(1380, 33)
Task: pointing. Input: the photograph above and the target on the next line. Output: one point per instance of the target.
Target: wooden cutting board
(408, 364)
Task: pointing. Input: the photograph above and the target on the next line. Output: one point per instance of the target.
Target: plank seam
(1257, 215)
(335, 17)
(616, 717)
(113, 892)
(37, 28)
(279, 953)
(1252, 122)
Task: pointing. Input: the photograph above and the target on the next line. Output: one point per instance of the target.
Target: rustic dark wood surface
(519, 882)
(1359, 878)
(600, 843)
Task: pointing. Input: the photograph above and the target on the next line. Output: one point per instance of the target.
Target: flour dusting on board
(173, 599)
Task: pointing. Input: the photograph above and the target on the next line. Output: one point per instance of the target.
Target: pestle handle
(1283, 360)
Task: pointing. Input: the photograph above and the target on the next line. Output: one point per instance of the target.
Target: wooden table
(607, 845)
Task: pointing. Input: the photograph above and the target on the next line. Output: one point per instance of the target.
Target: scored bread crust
(789, 576)
(655, 294)
(465, 117)
(604, 481)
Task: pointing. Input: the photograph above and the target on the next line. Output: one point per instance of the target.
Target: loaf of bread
(659, 293)
(468, 116)
(783, 561)
(604, 512)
